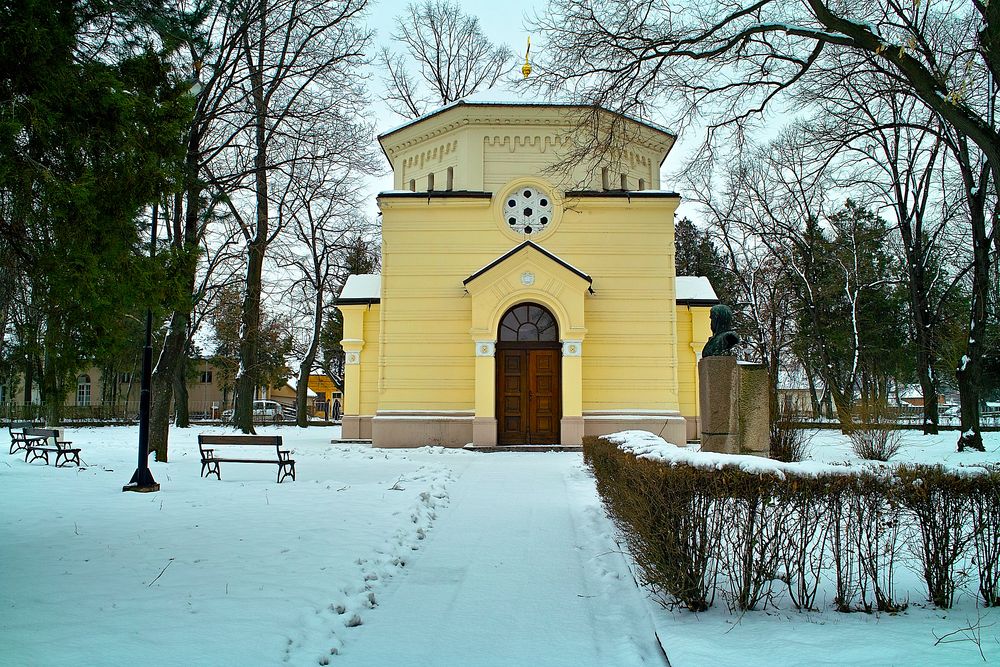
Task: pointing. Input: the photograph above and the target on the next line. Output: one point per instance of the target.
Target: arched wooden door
(529, 404)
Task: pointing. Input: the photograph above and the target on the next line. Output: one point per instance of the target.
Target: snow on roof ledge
(695, 288)
(361, 286)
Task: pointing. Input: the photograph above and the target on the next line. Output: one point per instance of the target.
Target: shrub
(843, 546)
(670, 538)
(876, 533)
(805, 539)
(939, 502)
(697, 530)
(874, 443)
(788, 444)
(985, 506)
(750, 550)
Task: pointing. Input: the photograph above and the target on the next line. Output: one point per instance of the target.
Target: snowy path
(385, 558)
(372, 557)
(521, 570)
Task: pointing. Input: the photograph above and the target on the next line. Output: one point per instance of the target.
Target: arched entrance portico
(528, 374)
(529, 275)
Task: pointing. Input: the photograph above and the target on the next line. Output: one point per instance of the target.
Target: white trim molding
(485, 348)
(572, 348)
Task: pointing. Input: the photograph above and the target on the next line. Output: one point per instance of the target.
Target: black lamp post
(142, 479)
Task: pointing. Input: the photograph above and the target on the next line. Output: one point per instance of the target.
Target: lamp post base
(142, 482)
(141, 489)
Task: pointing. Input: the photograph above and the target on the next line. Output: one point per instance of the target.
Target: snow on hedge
(646, 445)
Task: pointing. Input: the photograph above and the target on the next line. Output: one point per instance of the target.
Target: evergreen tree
(852, 325)
(88, 139)
(696, 255)
(360, 258)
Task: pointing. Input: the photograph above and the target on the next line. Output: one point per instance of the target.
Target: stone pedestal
(571, 431)
(734, 406)
(484, 432)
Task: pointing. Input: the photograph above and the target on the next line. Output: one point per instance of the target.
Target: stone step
(524, 448)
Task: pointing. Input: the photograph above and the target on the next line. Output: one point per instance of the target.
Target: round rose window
(527, 210)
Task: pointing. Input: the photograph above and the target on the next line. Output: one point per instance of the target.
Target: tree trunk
(928, 387)
(163, 384)
(970, 369)
(29, 379)
(302, 393)
(305, 368)
(923, 327)
(52, 394)
(969, 377)
(814, 399)
(177, 332)
(246, 376)
(181, 417)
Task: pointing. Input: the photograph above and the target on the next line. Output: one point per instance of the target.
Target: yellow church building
(524, 299)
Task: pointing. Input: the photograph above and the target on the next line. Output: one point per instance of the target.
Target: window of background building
(206, 377)
(83, 390)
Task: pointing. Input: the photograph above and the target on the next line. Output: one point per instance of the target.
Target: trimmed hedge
(700, 532)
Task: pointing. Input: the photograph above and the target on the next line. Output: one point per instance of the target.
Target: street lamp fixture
(142, 479)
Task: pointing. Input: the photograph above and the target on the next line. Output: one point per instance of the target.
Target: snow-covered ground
(382, 557)
(783, 636)
(372, 557)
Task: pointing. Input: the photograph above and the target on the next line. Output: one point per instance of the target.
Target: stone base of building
(571, 431)
(693, 428)
(449, 429)
(484, 432)
(353, 427)
(421, 429)
(670, 426)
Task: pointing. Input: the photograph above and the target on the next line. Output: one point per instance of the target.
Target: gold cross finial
(526, 69)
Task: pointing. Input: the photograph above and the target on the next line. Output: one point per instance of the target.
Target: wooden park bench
(17, 436)
(210, 458)
(40, 441)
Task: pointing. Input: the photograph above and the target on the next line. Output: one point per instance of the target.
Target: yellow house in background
(328, 395)
(522, 301)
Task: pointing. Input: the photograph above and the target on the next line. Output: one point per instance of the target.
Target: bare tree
(452, 57)
(301, 59)
(762, 292)
(319, 206)
(891, 146)
(214, 59)
(219, 269)
(725, 63)
(775, 210)
(984, 214)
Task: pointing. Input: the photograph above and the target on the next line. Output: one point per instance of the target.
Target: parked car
(270, 411)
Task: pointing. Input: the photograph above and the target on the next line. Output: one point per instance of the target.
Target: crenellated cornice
(563, 121)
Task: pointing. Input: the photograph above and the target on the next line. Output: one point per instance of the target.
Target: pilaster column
(697, 347)
(484, 424)
(353, 342)
(571, 425)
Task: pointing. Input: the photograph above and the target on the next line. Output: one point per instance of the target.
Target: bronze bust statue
(723, 339)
